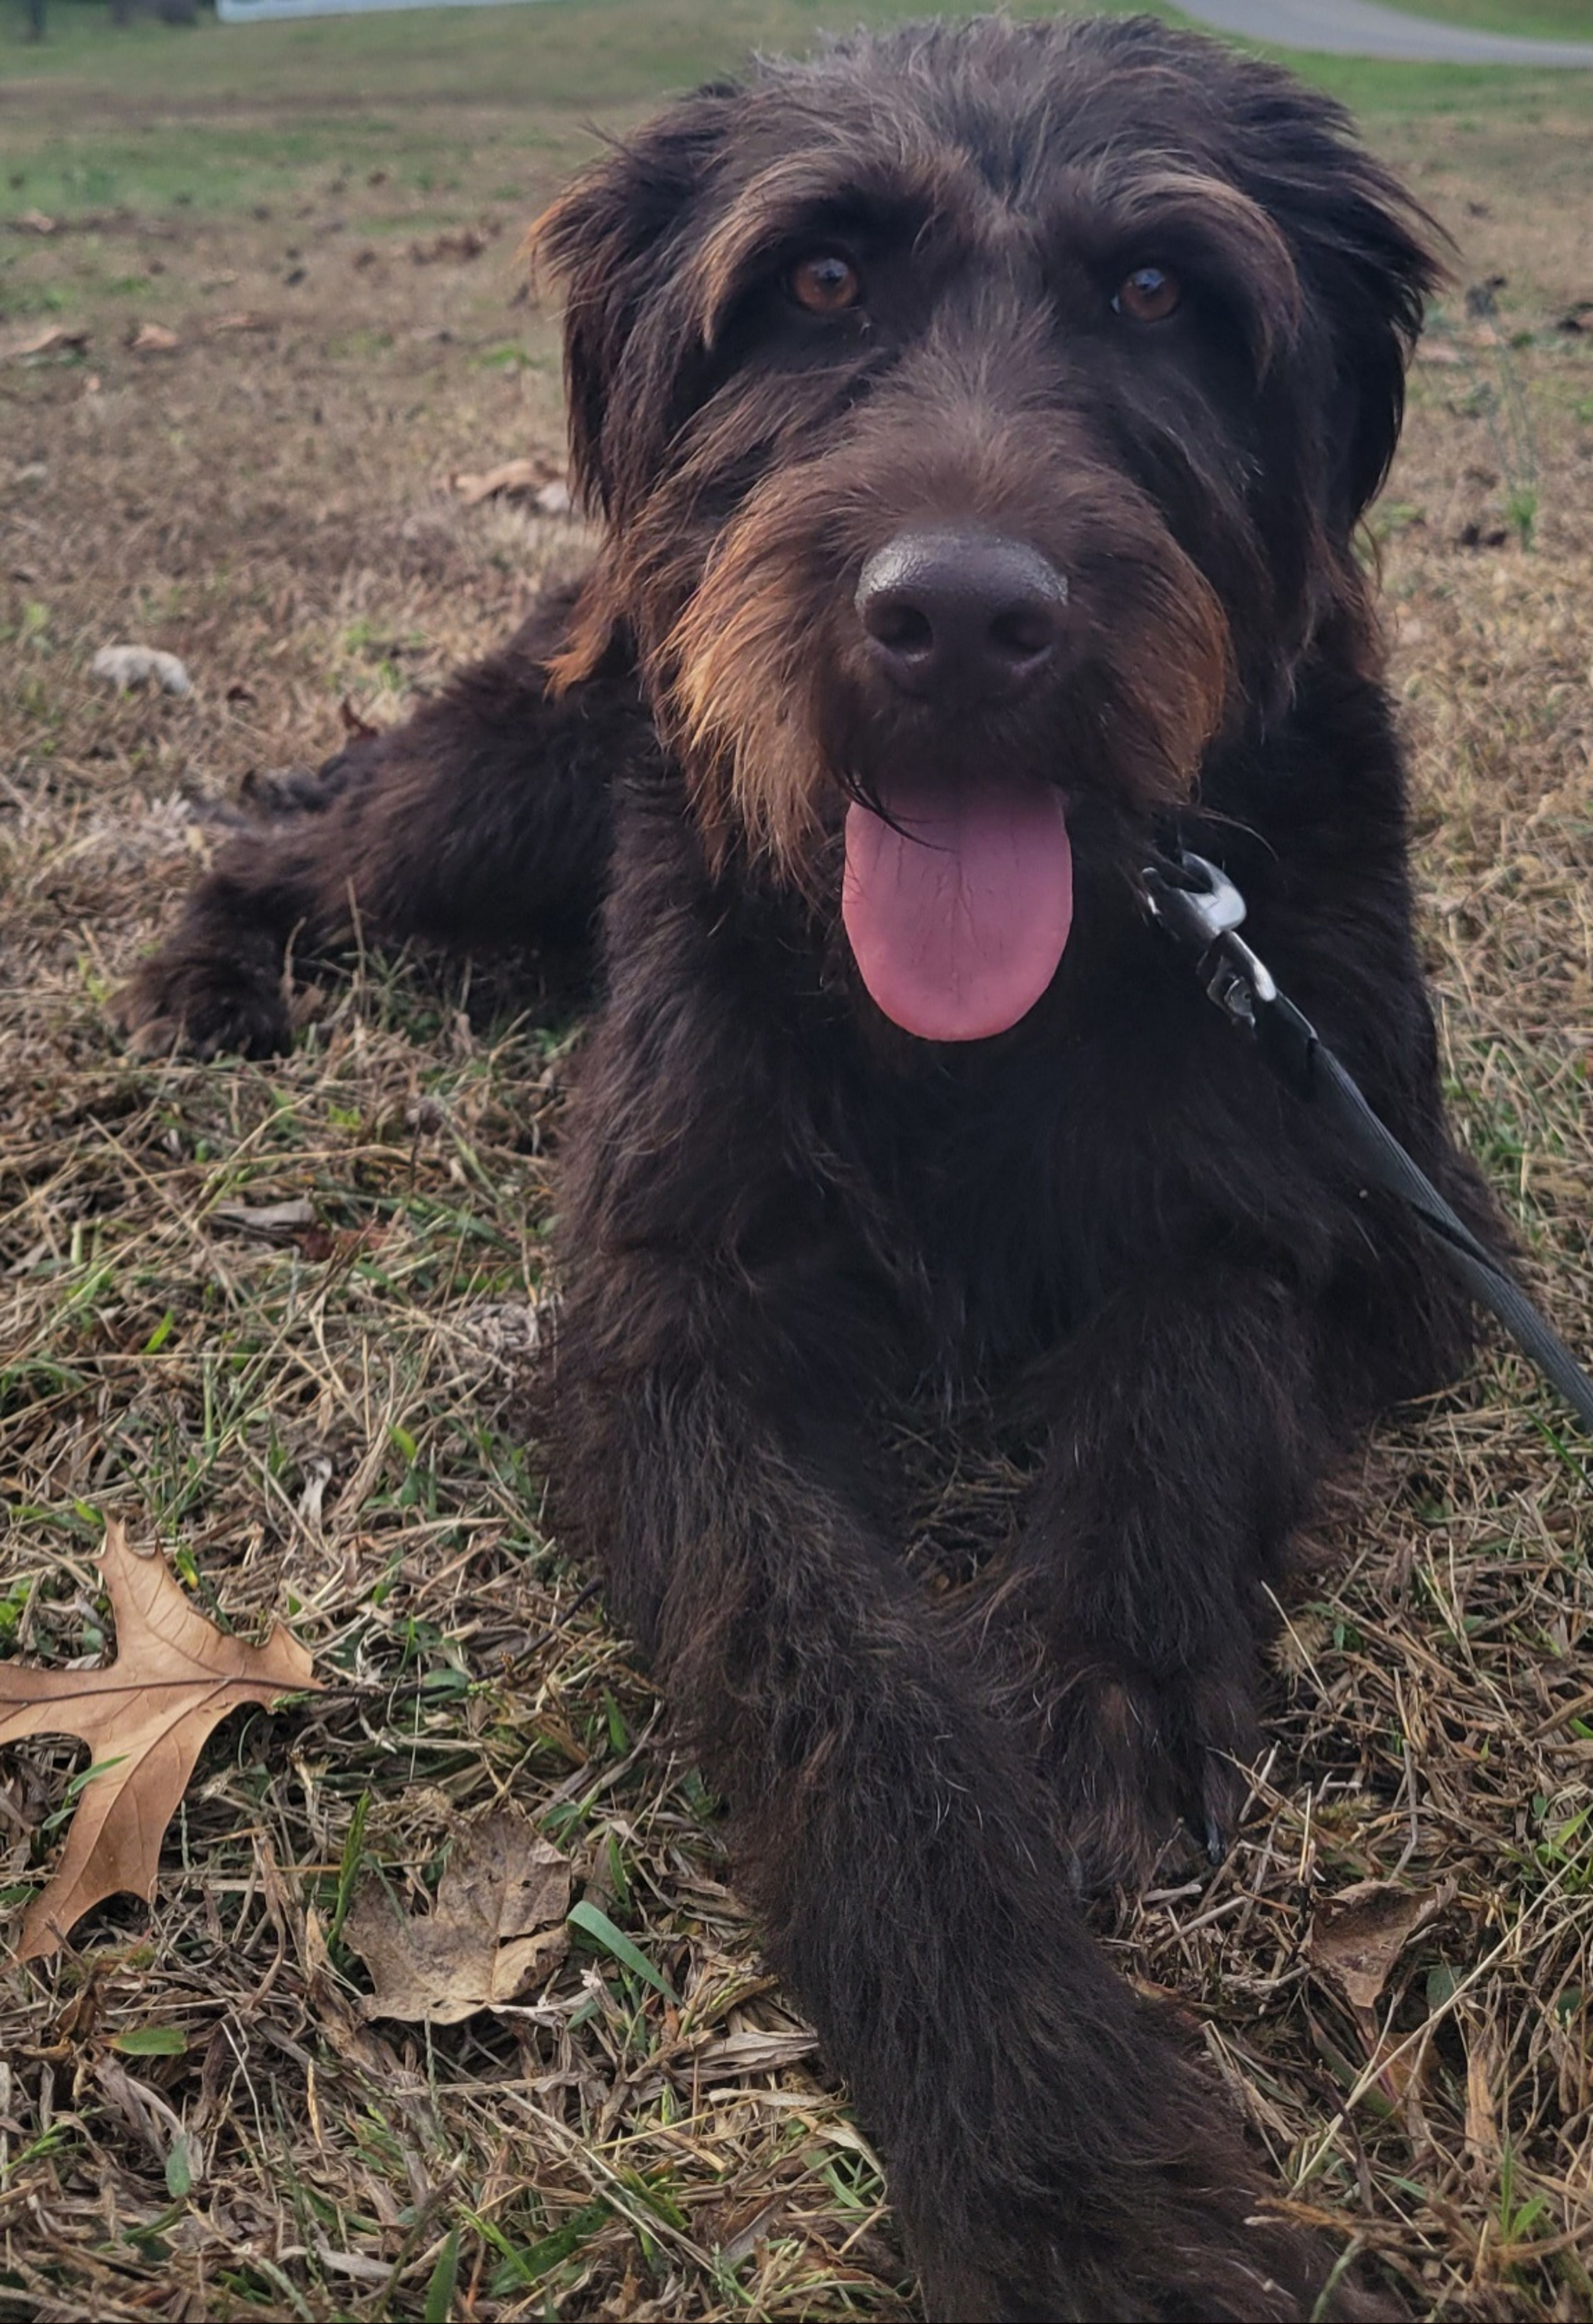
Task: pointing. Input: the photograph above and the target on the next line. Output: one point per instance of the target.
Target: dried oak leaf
(536, 480)
(57, 340)
(144, 1717)
(732, 2057)
(467, 243)
(1356, 1937)
(495, 1929)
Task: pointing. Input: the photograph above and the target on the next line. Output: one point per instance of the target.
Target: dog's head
(979, 417)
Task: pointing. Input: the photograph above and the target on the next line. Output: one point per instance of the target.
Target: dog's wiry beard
(744, 677)
(767, 693)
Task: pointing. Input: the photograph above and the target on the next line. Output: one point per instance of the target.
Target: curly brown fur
(785, 1220)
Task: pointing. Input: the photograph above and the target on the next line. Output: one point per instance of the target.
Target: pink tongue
(958, 926)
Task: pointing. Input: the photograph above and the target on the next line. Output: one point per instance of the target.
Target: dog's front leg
(1189, 1421)
(1052, 2153)
(484, 819)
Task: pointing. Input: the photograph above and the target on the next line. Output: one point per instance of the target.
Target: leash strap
(1200, 908)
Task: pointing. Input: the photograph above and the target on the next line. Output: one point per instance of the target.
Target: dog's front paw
(207, 1000)
(1225, 2262)
(1134, 1759)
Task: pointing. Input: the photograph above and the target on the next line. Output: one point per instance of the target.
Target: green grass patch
(207, 118)
(1545, 19)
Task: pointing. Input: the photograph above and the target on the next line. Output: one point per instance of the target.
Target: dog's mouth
(958, 900)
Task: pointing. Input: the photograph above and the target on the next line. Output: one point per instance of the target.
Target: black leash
(1201, 910)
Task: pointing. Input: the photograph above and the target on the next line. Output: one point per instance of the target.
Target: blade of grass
(602, 1932)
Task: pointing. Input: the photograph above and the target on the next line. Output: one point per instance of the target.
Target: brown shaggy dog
(979, 418)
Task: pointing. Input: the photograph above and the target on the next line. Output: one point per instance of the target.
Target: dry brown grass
(327, 1436)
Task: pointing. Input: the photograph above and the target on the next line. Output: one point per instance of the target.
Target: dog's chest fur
(988, 1200)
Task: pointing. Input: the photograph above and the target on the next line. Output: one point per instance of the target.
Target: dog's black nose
(961, 614)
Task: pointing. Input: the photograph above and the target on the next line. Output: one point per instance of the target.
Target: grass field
(1548, 20)
(321, 1425)
(94, 120)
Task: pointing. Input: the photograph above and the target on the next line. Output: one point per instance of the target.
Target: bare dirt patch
(196, 2117)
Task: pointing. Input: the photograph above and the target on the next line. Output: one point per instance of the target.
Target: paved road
(1358, 27)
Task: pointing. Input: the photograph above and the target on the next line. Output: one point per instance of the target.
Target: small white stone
(126, 666)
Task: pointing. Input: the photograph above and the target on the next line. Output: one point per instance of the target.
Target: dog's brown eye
(825, 284)
(1149, 295)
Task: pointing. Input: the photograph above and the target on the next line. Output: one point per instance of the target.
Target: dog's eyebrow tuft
(1193, 219)
(815, 193)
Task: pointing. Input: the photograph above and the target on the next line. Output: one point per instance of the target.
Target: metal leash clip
(1199, 908)
(1201, 918)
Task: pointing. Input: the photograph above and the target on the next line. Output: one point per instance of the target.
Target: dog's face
(980, 417)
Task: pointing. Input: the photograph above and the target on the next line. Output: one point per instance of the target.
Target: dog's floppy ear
(606, 242)
(1370, 255)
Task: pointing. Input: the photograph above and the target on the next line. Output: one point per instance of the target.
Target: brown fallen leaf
(738, 2231)
(1484, 2074)
(514, 479)
(495, 1929)
(469, 243)
(144, 1717)
(319, 1244)
(57, 340)
(732, 2056)
(1356, 1937)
